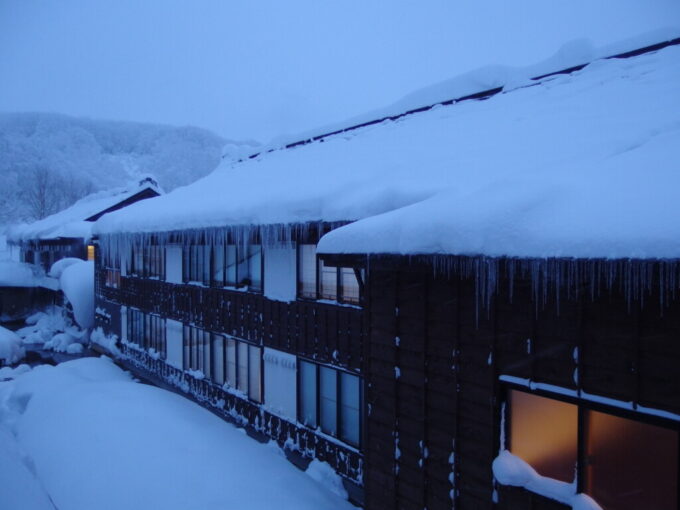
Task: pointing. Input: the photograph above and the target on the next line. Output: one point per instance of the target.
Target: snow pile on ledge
(11, 349)
(59, 266)
(511, 470)
(77, 282)
(20, 274)
(160, 449)
(579, 165)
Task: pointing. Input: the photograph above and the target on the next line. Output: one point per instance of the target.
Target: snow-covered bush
(11, 348)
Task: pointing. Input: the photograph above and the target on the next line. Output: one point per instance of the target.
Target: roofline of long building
(477, 96)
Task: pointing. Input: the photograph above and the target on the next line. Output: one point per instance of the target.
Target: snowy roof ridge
(479, 95)
(77, 219)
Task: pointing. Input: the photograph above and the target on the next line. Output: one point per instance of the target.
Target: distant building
(68, 232)
(474, 304)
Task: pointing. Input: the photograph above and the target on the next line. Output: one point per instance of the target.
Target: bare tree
(41, 192)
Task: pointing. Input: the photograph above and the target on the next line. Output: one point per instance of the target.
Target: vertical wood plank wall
(433, 362)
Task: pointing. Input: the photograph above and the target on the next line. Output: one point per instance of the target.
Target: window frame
(148, 261)
(339, 297)
(338, 401)
(583, 407)
(209, 276)
(224, 352)
(147, 331)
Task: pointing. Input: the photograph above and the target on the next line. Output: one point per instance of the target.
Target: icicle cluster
(562, 277)
(115, 245)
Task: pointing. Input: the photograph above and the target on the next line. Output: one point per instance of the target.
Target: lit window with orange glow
(90, 252)
(543, 432)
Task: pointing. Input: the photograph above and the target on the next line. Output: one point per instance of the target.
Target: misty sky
(255, 69)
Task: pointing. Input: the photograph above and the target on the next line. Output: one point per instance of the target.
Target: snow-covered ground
(85, 435)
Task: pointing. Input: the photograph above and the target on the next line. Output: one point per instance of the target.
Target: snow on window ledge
(509, 469)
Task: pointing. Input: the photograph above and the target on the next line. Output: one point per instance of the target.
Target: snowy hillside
(66, 158)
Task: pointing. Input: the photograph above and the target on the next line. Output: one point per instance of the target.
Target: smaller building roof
(76, 221)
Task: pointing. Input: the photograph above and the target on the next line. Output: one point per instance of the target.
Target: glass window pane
(328, 285)
(328, 405)
(218, 359)
(543, 432)
(231, 362)
(254, 373)
(350, 285)
(230, 271)
(349, 408)
(307, 271)
(187, 348)
(255, 266)
(205, 264)
(630, 465)
(205, 364)
(196, 349)
(307, 392)
(242, 379)
(218, 265)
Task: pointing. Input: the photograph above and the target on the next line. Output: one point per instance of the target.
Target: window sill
(329, 302)
(509, 469)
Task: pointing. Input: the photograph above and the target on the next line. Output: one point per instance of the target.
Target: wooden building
(443, 332)
(68, 232)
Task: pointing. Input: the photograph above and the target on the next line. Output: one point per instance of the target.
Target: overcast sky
(255, 69)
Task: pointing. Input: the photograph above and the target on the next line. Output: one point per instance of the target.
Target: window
(316, 280)
(196, 264)
(224, 265)
(111, 263)
(623, 464)
(90, 252)
(236, 364)
(147, 331)
(148, 261)
(329, 399)
(197, 350)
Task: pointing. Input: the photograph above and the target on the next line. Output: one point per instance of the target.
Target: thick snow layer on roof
(71, 221)
(577, 165)
(572, 54)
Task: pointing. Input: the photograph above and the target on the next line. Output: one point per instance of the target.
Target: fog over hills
(59, 159)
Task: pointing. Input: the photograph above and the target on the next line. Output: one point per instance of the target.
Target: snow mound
(108, 342)
(11, 348)
(323, 473)
(145, 439)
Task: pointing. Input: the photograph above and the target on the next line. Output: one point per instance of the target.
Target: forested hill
(72, 157)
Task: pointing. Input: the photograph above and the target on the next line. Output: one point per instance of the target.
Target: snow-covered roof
(581, 164)
(20, 274)
(76, 221)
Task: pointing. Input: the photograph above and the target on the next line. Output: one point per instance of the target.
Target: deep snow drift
(96, 439)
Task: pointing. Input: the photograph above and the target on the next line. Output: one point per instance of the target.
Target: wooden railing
(324, 332)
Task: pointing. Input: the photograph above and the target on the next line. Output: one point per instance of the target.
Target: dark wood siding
(323, 332)
(446, 395)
